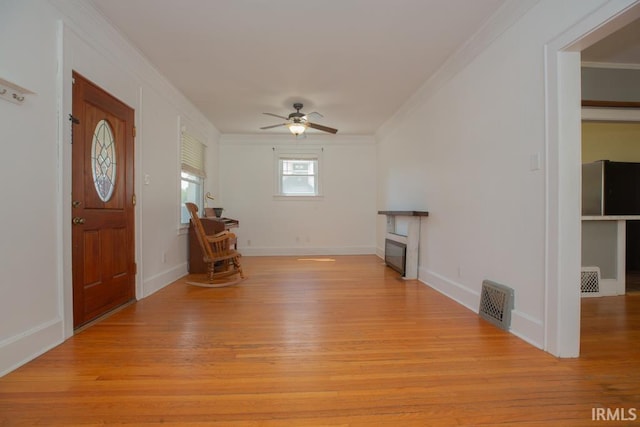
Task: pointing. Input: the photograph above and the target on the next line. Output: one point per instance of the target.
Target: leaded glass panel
(103, 160)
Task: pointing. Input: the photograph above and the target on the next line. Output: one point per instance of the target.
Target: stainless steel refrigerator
(610, 188)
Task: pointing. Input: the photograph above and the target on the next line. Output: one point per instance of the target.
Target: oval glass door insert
(103, 160)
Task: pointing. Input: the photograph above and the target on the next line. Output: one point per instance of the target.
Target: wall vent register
(590, 281)
(496, 303)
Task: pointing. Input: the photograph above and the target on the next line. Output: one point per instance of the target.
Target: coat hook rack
(12, 92)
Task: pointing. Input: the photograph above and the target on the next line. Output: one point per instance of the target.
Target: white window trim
(199, 171)
(297, 153)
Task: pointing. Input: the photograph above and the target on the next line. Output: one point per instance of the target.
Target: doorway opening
(563, 95)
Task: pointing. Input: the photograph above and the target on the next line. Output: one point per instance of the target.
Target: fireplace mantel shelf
(403, 213)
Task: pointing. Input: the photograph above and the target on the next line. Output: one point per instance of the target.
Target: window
(298, 174)
(192, 174)
(190, 191)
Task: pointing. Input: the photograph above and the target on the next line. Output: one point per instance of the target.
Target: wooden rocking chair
(223, 261)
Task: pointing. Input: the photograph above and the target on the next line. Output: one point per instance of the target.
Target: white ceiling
(621, 47)
(354, 61)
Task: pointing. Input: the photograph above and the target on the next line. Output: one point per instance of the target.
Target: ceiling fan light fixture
(297, 128)
(298, 122)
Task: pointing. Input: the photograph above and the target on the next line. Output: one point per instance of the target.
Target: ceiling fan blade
(274, 126)
(276, 115)
(314, 115)
(322, 128)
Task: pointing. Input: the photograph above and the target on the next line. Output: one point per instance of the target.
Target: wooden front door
(103, 201)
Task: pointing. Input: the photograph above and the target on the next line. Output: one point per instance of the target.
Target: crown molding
(288, 139)
(610, 65)
(593, 114)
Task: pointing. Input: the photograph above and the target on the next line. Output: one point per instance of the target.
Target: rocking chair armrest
(223, 235)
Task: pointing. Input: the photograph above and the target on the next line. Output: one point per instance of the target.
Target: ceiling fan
(298, 122)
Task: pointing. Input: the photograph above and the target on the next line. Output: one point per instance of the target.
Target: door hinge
(74, 121)
(133, 199)
(135, 268)
(134, 131)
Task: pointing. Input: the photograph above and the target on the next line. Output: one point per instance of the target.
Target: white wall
(462, 151)
(468, 149)
(610, 84)
(341, 222)
(41, 42)
(29, 242)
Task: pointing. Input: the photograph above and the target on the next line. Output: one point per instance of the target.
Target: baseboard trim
(611, 287)
(527, 328)
(17, 350)
(523, 326)
(154, 283)
(457, 292)
(266, 251)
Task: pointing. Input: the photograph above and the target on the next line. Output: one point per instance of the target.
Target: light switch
(535, 162)
(147, 179)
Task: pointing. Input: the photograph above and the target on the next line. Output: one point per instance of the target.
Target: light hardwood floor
(313, 342)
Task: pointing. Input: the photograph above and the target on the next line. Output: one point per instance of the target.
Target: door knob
(77, 220)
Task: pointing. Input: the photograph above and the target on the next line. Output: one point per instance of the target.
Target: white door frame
(563, 180)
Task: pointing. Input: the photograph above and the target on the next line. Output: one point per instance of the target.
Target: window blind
(192, 155)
